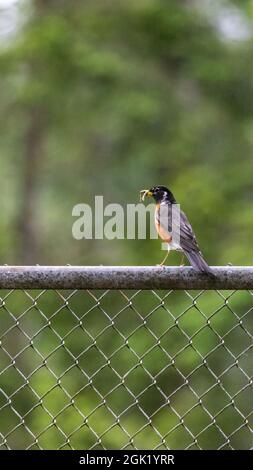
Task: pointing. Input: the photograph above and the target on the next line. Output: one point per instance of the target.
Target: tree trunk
(29, 217)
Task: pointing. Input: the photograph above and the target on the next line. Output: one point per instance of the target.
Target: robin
(187, 241)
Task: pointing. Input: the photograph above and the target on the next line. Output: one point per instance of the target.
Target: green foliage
(107, 98)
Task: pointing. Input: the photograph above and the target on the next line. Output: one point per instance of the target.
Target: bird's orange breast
(162, 232)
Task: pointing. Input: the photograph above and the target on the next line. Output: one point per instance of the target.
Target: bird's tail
(198, 263)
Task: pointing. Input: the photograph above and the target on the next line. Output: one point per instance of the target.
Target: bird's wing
(190, 247)
(188, 241)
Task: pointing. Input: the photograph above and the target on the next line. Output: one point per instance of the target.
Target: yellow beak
(144, 193)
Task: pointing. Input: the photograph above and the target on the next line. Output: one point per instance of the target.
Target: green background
(107, 98)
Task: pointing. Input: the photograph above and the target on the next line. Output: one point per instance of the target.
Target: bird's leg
(182, 261)
(163, 261)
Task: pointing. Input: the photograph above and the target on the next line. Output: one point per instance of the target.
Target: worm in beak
(144, 193)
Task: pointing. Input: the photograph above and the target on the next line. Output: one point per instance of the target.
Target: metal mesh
(126, 369)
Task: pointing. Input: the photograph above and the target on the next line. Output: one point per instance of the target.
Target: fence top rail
(123, 277)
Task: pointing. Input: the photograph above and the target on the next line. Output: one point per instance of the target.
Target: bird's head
(159, 193)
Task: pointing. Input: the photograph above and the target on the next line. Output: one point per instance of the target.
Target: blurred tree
(108, 97)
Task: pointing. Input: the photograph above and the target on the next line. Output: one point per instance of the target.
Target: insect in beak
(144, 193)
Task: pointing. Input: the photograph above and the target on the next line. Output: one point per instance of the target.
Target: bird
(188, 244)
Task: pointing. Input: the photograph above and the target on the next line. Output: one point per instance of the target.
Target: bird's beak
(144, 193)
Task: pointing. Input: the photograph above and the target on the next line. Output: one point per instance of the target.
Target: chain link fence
(121, 368)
